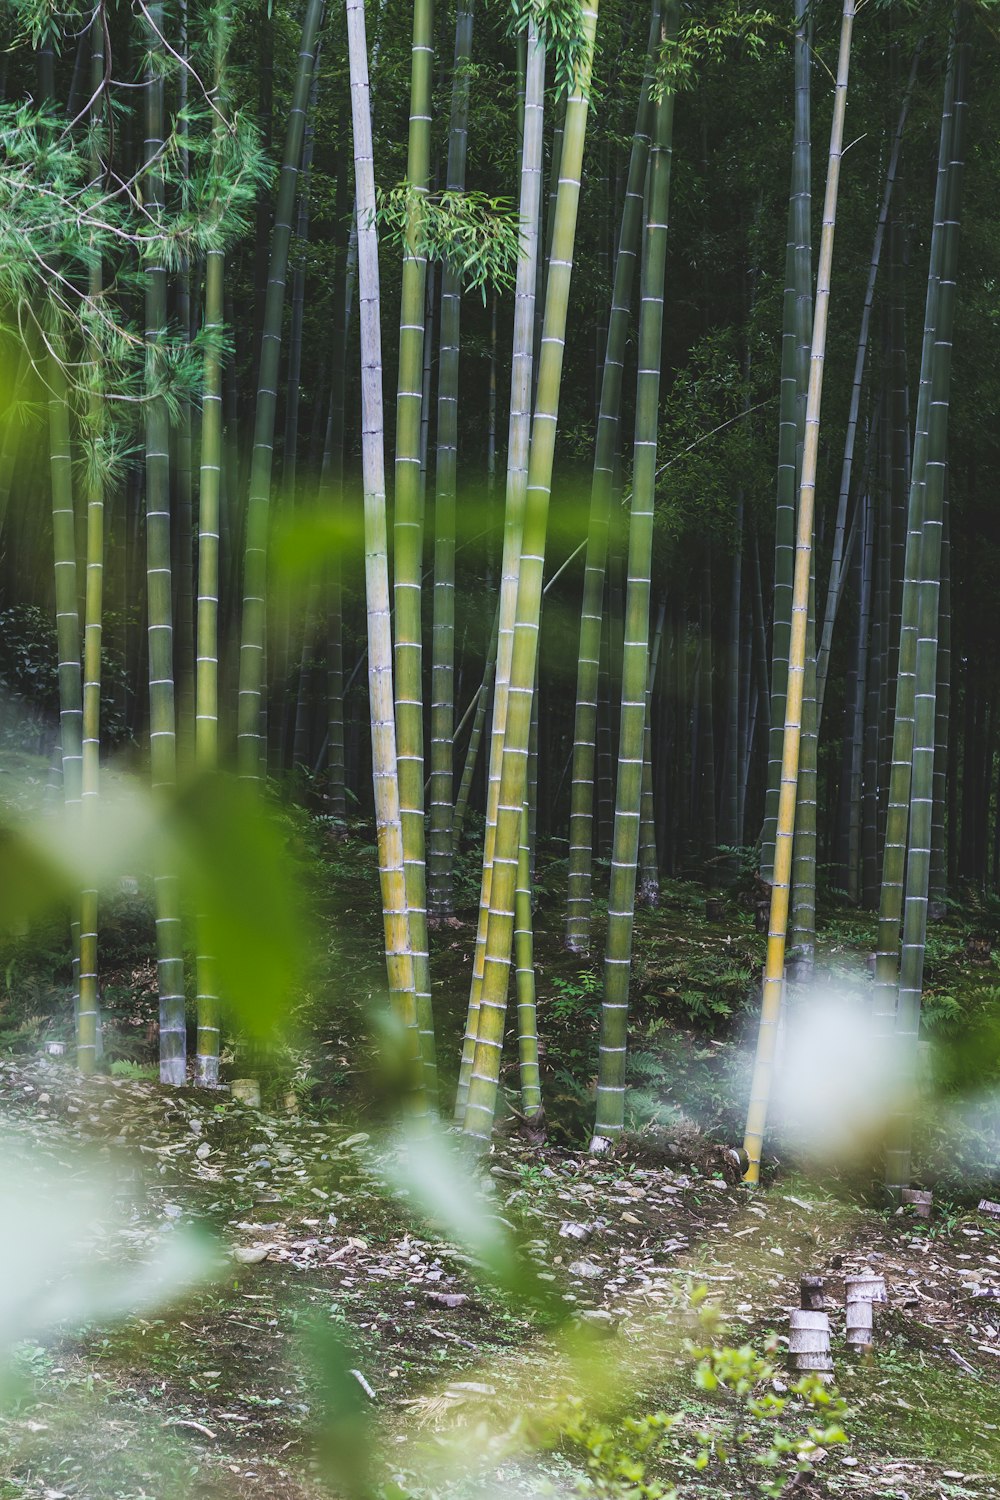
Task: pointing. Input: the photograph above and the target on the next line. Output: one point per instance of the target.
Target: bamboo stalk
(777, 927)
(392, 880)
(483, 1083)
(635, 658)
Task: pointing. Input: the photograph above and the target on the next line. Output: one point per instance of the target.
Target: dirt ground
(220, 1396)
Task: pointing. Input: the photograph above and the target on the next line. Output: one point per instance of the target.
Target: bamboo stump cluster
(809, 1324)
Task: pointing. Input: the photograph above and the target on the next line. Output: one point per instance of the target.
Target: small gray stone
(250, 1255)
(588, 1269)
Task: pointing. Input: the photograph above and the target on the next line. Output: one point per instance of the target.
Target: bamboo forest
(499, 749)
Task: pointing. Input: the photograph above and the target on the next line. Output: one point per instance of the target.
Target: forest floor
(310, 1232)
(218, 1396)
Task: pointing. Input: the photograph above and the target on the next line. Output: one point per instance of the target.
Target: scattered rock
(588, 1269)
(447, 1299)
(251, 1255)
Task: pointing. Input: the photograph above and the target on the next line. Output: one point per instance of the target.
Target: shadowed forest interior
(499, 745)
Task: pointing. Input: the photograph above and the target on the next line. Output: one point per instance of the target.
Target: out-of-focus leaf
(246, 888)
(52, 1223)
(30, 879)
(311, 536)
(344, 1441)
(440, 1181)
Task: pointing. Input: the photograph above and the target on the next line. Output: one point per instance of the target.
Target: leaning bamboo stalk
(483, 1084)
(518, 441)
(774, 970)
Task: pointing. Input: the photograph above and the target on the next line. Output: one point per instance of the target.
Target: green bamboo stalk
(877, 687)
(857, 723)
(524, 977)
(69, 668)
(900, 775)
(206, 730)
(88, 1015)
(801, 953)
(183, 518)
(481, 1104)
(439, 847)
(649, 864)
(838, 561)
(729, 811)
(253, 636)
(408, 526)
(159, 603)
(392, 878)
(518, 442)
(635, 662)
(706, 716)
(900, 473)
(939, 851)
(333, 459)
(581, 824)
(914, 937)
(798, 280)
(774, 971)
(475, 735)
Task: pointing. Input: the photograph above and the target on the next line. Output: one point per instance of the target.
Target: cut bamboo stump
(246, 1091)
(861, 1294)
(809, 1342)
(812, 1293)
(919, 1201)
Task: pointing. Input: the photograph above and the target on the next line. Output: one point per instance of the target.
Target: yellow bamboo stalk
(774, 971)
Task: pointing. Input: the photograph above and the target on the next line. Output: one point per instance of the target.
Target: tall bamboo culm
(920, 835)
(483, 1084)
(838, 561)
(70, 668)
(162, 720)
(798, 282)
(392, 880)
(408, 527)
(635, 662)
(88, 1011)
(774, 973)
(900, 772)
(581, 823)
(254, 621)
(206, 712)
(518, 442)
(439, 846)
